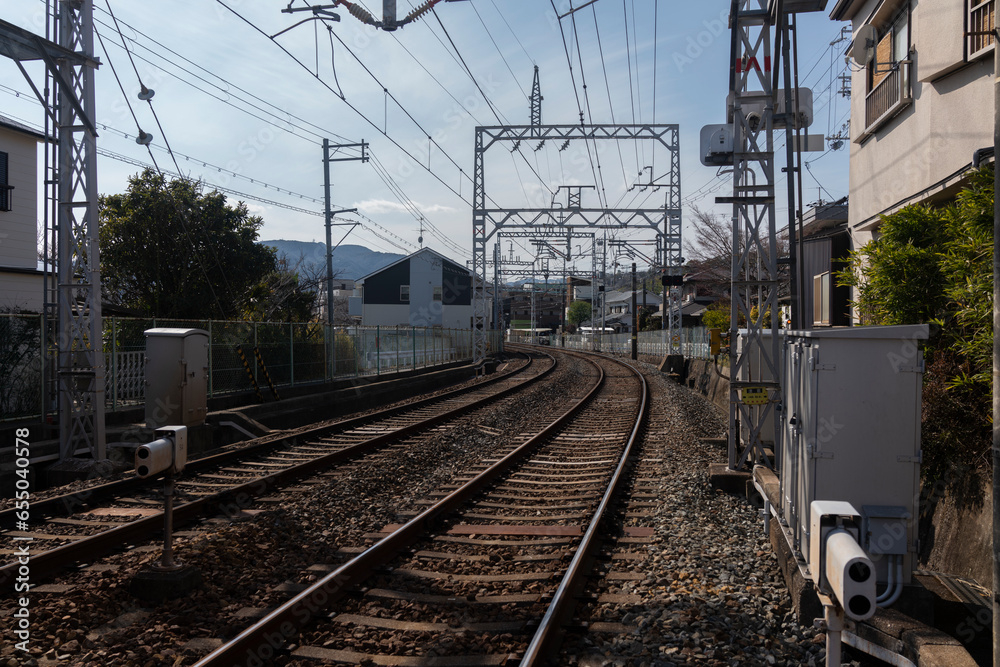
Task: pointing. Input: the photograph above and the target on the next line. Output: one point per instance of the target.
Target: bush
(935, 265)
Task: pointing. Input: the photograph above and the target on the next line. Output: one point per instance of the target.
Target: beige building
(921, 108)
(20, 274)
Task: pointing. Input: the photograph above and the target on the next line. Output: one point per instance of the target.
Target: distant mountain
(349, 261)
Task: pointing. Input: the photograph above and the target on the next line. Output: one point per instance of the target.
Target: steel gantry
(664, 221)
(545, 241)
(69, 100)
(758, 26)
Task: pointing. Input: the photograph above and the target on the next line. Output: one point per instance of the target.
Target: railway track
(488, 571)
(683, 574)
(83, 525)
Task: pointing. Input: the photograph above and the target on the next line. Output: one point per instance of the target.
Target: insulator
(360, 13)
(420, 11)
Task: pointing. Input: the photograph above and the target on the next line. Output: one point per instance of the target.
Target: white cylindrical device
(850, 574)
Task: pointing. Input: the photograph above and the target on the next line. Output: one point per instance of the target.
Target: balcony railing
(6, 195)
(981, 20)
(889, 97)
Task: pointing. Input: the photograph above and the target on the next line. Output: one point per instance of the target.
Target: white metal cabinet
(176, 377)
(851, 424)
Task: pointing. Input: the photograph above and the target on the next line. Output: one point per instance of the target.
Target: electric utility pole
(327, 159)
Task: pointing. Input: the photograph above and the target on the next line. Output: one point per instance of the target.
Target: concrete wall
(19, 226)
(951, 116)
(956, 527)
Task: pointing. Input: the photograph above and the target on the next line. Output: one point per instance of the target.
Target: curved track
(86, 524)
(486, 574)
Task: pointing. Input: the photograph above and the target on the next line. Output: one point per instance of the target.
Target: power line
(351, 106)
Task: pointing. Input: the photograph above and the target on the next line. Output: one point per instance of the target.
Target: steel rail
(260, 642)
(66, 504)
(230, 501)
(548, 635)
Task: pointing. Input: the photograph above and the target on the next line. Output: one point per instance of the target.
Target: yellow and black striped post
(246, 366)
(267, 376)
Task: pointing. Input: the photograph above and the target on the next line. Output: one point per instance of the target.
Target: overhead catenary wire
(499, 116)
(354, 108)
(607, 86)
(576, 93)
(149, 98)
(182, 215)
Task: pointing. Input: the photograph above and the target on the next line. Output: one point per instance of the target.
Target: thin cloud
(382, 206)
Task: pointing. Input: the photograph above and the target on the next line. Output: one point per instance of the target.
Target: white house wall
(914, 154)
(18, 227)
(21, 292)
(386, 315)
(425, 275)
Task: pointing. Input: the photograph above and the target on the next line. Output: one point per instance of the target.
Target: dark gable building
(425, 289)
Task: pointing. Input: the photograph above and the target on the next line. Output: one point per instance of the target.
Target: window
(889, 74)
(5, 188)
(437, 293)
(404, 293)
(821, 299)
(981, 20)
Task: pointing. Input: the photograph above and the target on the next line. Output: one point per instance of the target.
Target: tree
(282, 295)
(168, 250)
(935, 265)
(579, 312)
(717, 316)
(709, 240)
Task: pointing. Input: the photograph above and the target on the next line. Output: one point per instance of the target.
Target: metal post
(291, 352)
(329, 213)
(211, 367)
(996, 344)
(114, 364)
(790, 150)
(834, 617)
(329, 232)
(635, 320)
(167, 563)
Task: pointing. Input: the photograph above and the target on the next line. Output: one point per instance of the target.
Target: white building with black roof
(425, 289)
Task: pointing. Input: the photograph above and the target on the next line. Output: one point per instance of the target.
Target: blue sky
(241, 113)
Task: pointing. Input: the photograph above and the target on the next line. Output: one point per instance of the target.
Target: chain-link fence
(694, 342)
(240, 355)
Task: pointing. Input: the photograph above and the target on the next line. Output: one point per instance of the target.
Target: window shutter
(3, 169)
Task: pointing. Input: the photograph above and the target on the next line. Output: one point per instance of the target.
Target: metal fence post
(114, 365)
(211, 365)
(291, 352)
(413, 344)
(42, 408)
(378, 350)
